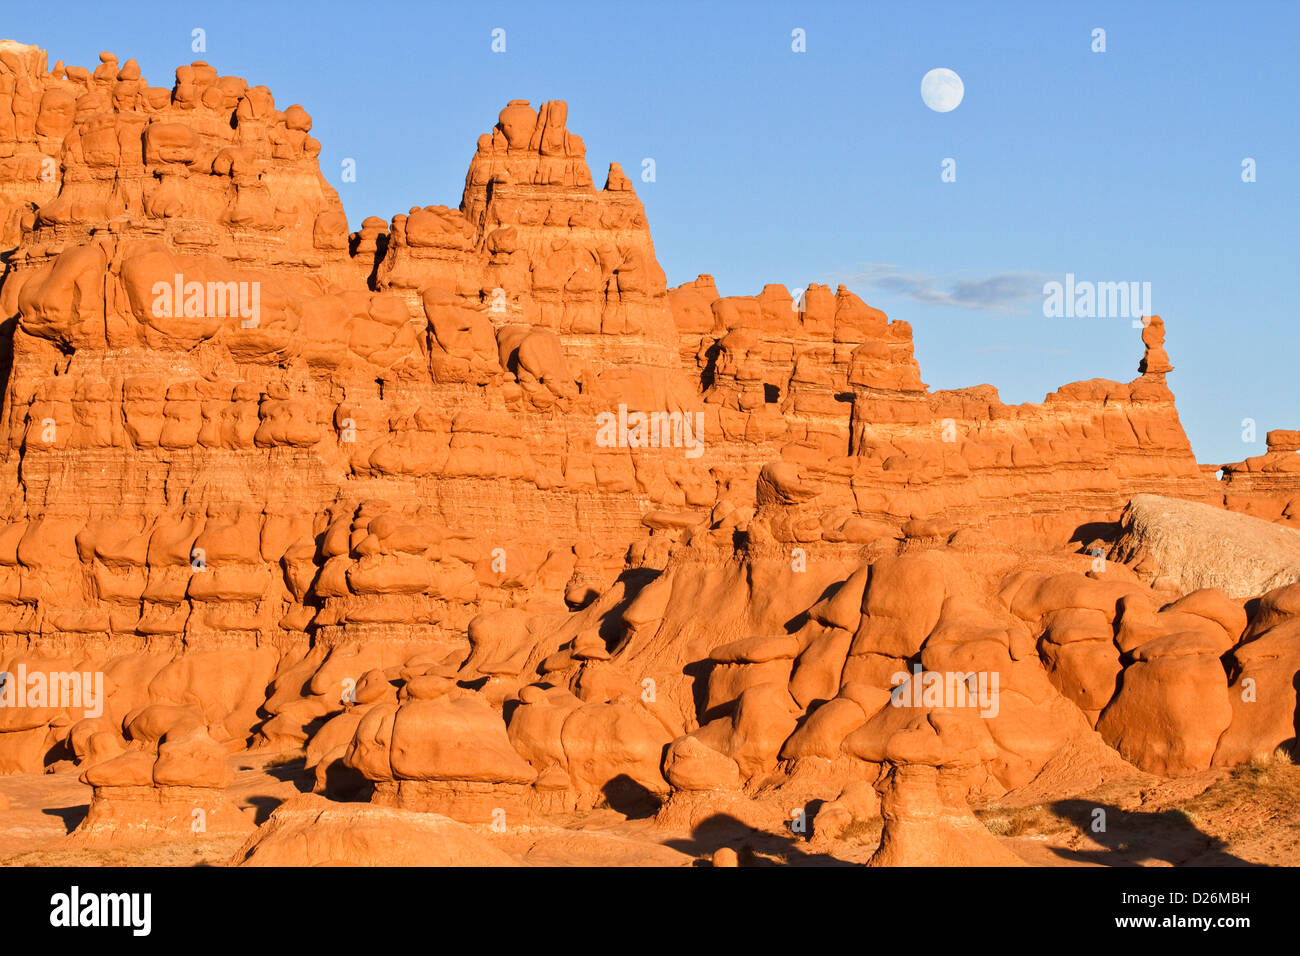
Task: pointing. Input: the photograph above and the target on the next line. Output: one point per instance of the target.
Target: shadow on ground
(71, 816)
(1129, 837)
(754, 847)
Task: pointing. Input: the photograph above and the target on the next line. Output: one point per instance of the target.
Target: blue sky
(824, 166)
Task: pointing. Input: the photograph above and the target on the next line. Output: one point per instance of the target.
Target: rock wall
(1268, 485)
(285, 484)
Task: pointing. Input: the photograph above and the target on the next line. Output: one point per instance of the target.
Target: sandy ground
(1250, 815)
(1247, 816)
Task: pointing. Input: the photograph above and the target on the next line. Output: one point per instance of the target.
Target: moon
(942, 90)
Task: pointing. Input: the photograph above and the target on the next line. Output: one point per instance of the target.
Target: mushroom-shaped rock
(927, 821)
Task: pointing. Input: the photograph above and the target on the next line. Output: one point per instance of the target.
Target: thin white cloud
(1010, 292)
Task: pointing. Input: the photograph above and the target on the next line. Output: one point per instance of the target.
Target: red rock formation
(474, 509)
(179, 791)
(923, 800)
(1267, 485)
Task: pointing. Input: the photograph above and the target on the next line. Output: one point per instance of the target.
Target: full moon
(942, 90)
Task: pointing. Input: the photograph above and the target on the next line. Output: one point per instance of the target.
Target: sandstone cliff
(477, 471)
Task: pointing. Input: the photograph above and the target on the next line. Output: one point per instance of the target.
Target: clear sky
(825, 165)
